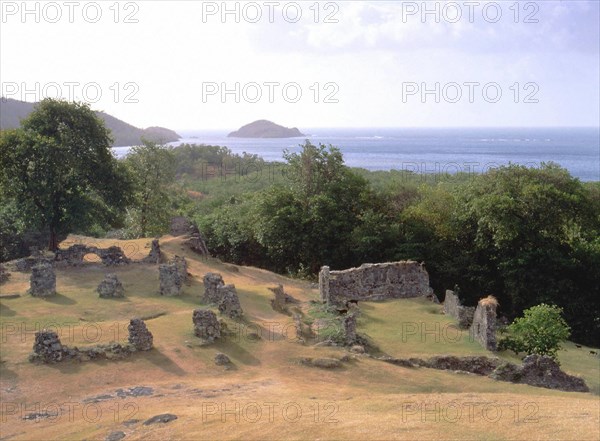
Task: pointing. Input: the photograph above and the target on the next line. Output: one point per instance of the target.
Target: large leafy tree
(58, 168)
(309, 221)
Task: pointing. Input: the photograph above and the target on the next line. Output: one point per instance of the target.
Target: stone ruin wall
(483, 328)
(379, 281)
(480, 320)
(453, 308)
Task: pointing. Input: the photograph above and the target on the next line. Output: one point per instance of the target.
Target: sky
(220, 65)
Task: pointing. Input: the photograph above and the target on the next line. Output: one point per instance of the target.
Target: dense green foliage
(153, 170)
(59, 171)
(540, 331)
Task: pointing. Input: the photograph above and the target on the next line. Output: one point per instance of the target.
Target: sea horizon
(429, 150)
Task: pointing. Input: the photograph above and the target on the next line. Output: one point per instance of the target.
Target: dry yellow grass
(268, 395)
(489, 301)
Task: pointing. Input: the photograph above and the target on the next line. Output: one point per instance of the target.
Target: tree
(59, 169)
(540, 331)
(153, 170)
(309, 222)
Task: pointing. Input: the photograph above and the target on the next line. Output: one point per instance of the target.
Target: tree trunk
(53, 243)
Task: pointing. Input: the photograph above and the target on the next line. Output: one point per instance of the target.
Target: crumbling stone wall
(279, 303)
(47, 347)
(196, 242)
(206, 325)
(453, 308)
(374, 282)
(155, 255)
(43, 280)
(212, 281)
(483, 328)
(229, 302)
(349, 324)
(181, 226)
(172, 276)
(540, 371)
(139, 335)
(224, 296)
(110, 287)
(73, 256)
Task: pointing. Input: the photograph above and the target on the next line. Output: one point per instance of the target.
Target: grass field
(268, 394)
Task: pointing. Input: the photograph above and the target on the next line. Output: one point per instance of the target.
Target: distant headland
(265, 129)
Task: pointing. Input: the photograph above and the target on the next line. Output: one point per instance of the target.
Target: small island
(265, 129)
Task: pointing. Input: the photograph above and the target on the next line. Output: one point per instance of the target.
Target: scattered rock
(43, 280)
(115, 436)
(540, 371)
(479, 365)
(163, 418)
(139, 336)
(129, 423)
(222, 359)
(39, 415)
(137, 391)
(206, 325)
(111, 287)
(358, 349)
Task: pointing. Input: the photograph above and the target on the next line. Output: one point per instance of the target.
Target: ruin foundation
(172, 276)
(206, 325)
(110, 287)
(379, 281)
(139, 336)
(453, 308)
(483, 328)
(42, 280)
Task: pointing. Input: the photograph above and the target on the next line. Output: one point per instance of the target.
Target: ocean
(431, 150)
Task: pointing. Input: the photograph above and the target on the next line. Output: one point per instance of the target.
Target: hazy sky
(374, 58)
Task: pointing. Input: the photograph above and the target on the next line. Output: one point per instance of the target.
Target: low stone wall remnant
(155, 255)
(172, 276)
(212, 281)
(206, 325)
(139, 336)
(378, 281)
(110, 287)
(43, 280)
(483, 328)
(229, 302)
(453, 308)
(74, 255)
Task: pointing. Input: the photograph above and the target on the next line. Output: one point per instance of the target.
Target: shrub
(540, 331)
